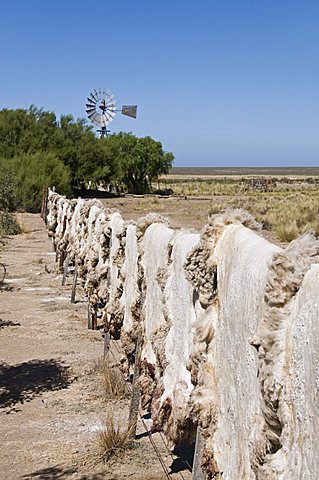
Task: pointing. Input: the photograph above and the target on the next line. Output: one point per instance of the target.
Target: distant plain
(287, 208)
(245, 171)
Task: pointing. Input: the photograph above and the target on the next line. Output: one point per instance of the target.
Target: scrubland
(289, 208)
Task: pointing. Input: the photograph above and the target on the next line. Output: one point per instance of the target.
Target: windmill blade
(111, 104)
(105, 119)
(91, 116)
(109, 116)
(95, 95)
(90, 105)
(100, 118)
(129, 110)
(111, 107)
(92, 98)
(90, 101)
(111, 113)
(90, 109)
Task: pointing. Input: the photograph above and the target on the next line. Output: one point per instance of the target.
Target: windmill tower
(101, 109)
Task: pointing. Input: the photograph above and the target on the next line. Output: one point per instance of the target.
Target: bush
(9, 224)
(32, 172)
(7, 190)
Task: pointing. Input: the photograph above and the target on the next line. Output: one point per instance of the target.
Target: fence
(210, 323)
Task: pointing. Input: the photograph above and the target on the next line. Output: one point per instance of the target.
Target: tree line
(37, 149)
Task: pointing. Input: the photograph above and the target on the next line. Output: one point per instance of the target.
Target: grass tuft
(112, 439)
(287, 233)
(113, 383)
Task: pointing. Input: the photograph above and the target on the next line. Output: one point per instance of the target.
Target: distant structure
(101, 109)
(261, 185)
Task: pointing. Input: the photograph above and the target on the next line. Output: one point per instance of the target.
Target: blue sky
(219, 83)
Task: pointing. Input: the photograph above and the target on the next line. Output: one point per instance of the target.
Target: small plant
(7, 191)
(113, 439)
(287, 233)
(113, 383)
(9, 224)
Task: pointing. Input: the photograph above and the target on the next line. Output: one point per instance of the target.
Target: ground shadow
(185, 457)
(20, 383)
(56, 473)
(8, 323)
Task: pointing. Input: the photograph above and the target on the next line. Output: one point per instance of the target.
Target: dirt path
(51, 404)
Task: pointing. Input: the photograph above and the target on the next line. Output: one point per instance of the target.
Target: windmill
(101, 109)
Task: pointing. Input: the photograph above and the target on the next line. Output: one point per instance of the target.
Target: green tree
(139, 161)
(35, 138)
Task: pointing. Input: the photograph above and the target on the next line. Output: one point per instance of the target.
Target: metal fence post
(66, 269)
(107, 339)
(75, 280)
(136, 394)
(198, 472)
(92, 316)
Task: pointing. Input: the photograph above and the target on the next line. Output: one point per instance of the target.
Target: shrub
(32, 172)
(7, 190)
(9, 224)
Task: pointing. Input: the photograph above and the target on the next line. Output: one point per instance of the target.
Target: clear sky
(219, 82)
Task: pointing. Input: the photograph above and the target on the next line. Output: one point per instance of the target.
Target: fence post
(107, 338)
(43, 203)
(75, 280)
(92, 316)
(61, 261)
(46, 211)
(198, 472)
(66, 269)
(136, 394)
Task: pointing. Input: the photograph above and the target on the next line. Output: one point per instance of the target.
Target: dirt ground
(190, 213)
(51, 403)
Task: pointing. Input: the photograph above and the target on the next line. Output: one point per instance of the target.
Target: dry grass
(112, 381)
(24, 228)
(113, 439)
(291, 209)
(193, 186)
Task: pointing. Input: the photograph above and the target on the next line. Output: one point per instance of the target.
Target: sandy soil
(51, 404)
(190, 213)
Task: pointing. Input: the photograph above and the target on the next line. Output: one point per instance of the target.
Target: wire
(155, 448)
(168, 475)
(170, 453)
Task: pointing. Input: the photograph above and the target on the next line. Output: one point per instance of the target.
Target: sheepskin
(227, 400)
(287, 342)
(170, 410)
